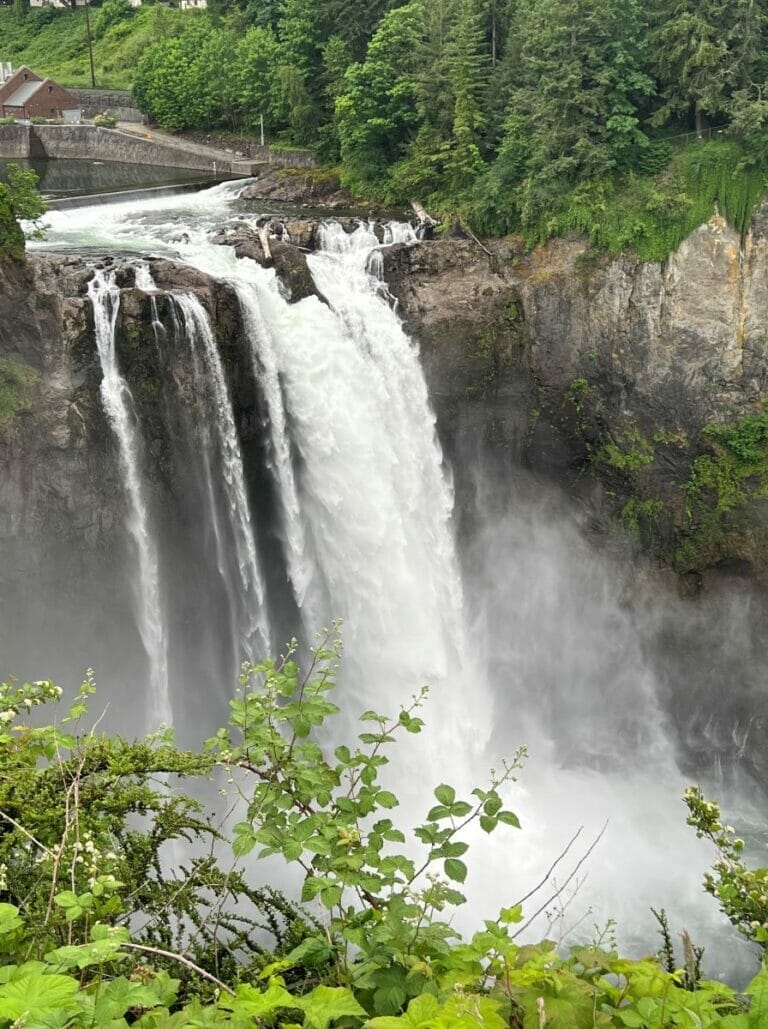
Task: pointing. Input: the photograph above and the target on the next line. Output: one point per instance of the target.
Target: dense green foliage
(55, 43)
(537, 117)
(102, 922)
(19, 201)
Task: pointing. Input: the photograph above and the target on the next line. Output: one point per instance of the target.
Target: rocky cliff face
(610, 376)
(65, 581)
(604, 375)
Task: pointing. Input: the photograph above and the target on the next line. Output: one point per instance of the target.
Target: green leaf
(244, 839)
(311, 887)
(66, 899)
(455, 870)
(438, 812)
(390, 993)
(86, 955)
(292, 850)
(445, 794)
(372, 716)
(327, 1003)
(514, 914)
(456, 849)
(10, 920)
(758, 991)
(492, 805)
(488, 824)
(253, 1003)
(386, 799)
(312, 952)
(33, 994)
(118, 997)
(302, 726)
(330, 896)
(509, 818)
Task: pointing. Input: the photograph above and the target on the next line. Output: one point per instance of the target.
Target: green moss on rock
(17, 383)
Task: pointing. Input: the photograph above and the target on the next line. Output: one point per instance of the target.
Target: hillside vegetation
(55, 43)
(535, 117)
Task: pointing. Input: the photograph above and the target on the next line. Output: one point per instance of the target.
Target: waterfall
(254, 302)
(248, 601)
(399, 514)
(118, 404)
(365, 500)
(364, 505)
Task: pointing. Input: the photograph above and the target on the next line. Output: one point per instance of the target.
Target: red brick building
(26, 95)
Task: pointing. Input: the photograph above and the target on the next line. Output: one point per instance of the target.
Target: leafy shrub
(105, 121)
(94, 932)
(112, 13)
(19, 200)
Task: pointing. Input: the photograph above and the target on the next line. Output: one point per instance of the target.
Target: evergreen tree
(581, 74)
(468, 64)
(352, 21)
(258, 57)
(299, 72)
(262, 13)
(704, 49)
(376, 114)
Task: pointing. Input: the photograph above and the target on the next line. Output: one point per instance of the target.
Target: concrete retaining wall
(14, 141)
(85, 141)
(283, 158)
(109, 101)
(89, 143)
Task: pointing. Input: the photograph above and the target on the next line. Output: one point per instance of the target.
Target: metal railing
(702, 136)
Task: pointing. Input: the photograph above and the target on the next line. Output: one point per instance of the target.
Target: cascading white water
(377, 495)
(365, 506)
(105, 297)
(251, 622)
(299, 560)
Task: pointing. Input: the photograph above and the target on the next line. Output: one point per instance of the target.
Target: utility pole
(90, 41)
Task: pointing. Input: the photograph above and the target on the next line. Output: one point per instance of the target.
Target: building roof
(28, 90)
(23, 94)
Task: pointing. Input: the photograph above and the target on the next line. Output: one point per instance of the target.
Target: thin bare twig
(27, 833)
(469, 232)
(551, 868)
(182, 961)
(558, 891)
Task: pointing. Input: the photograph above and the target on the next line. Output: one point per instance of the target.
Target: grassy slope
(58, 48)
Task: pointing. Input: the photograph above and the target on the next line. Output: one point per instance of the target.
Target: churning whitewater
(347, 514)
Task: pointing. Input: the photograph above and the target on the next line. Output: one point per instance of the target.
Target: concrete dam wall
(87, 142)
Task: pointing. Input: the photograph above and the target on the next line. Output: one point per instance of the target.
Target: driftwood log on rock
(426, 225)
(264, 240)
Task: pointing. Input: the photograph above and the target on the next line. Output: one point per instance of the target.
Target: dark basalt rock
(288, 260)
(310, 189)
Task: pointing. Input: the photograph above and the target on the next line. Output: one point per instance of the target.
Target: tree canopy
(525, 116)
